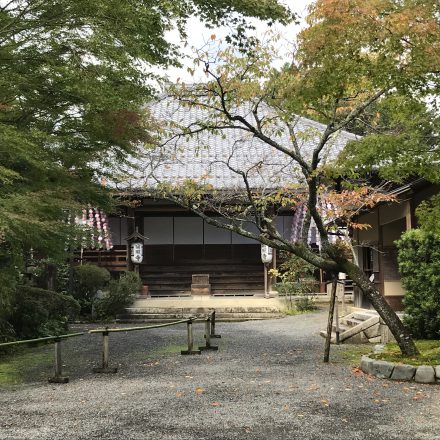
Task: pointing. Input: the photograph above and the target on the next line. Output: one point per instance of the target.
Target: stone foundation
(390, 370)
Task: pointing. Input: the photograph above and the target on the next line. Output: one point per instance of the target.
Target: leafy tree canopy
(74, 79)
(401, 140)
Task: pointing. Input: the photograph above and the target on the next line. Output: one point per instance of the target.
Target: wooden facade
(179, 245)
(377, 251)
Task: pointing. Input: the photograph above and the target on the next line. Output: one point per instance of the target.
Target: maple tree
(74, 79)
(353, 55)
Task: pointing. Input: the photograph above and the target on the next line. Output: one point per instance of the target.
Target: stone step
(363, 316)
(176, 315)
(342, 327)
(191, 311)
(171, 293)
(164, 321)
(323, 333)
(170, 317)
(237, 287)
(351, 322)
(236, 292)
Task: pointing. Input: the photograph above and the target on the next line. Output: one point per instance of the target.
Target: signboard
(266, 254)
(137, 252)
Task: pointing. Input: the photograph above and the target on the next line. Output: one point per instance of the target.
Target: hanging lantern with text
(266, 254)
(137, 252)
(136, 242)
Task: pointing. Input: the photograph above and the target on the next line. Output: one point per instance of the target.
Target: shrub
(305, 304)
(88, 279)
(38, 312)
(121, 294)
(419, 265)
(296, 277)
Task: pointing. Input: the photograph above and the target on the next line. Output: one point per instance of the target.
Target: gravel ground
(267, 381)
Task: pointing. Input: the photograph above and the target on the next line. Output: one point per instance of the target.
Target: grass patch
(16, 367)
(349, 353)
(429, 353)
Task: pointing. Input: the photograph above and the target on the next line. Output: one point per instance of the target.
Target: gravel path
(267, 381)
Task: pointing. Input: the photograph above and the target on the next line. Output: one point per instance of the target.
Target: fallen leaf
(325, 402)
(357, 372)
(199, 391)
(179, 394)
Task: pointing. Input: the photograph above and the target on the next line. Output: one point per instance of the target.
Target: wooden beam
(359, 328)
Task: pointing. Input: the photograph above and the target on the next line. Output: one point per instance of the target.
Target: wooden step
(205, 268)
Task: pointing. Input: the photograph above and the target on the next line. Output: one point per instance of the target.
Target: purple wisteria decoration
(96, 233)
(313, 237)
(298, 223)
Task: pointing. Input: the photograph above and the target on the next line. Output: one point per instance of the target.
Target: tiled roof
(205, 157)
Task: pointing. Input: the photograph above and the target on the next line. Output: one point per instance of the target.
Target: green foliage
(305, 304)
(40, 274)
(10, 277)
(296, 276)
(121, 294)
(296, 279)
(428, 215)
(38, 312)
(419, 265)
(88, 279)
(401, 140)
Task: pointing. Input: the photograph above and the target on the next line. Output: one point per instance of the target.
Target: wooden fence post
(58, 377)
(208, 345)
(337, 330)
(330, 321)
(384, 332)
(213, 335)
(190, 340)
(105, 356)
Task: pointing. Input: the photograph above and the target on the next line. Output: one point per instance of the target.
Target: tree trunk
(399, 331)
(331, 311)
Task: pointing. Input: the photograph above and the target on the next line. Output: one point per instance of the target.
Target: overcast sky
(198, 35)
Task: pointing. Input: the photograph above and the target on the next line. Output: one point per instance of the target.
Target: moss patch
(25, 364)
(429, 353)
(349, 353)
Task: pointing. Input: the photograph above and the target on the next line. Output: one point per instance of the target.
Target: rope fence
(58, 364)
(105, 351)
